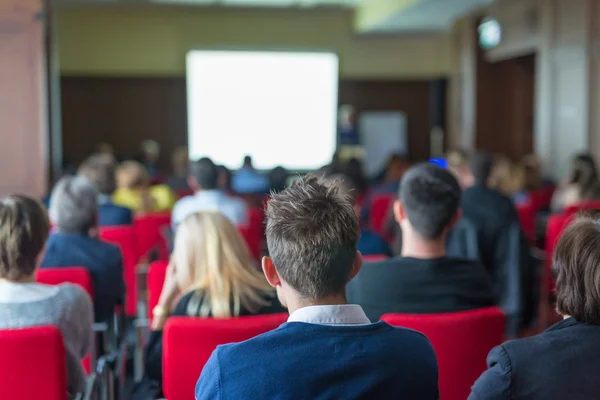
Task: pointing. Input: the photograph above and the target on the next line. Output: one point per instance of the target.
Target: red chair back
(183, 193)
(75, 275)
(554, 229)
(380, 207)
(583, 206)
(189, 342)
(540, 199)
(461, 342)
(33, 364)
(155, 281)
(375, 257)
(527, 215)
(124, 237)
(148, 230)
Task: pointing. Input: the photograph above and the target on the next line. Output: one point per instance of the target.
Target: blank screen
(278, 107)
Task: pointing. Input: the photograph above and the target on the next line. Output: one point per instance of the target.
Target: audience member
(136, 193)
(560, 363)
(210, 275)
(503, 248)
(424, 279)
(354, 170)
(370, 243)
(504, 176)
(106, 150)
(24, 303)
(327, 349)
(224, 179)
(248, 180)
(204, 180)
(179, 177)
(73, 210)
(278, 179)
(149, 158)
(581, 184)
(458, 164)
(100, 170)
(389, 184)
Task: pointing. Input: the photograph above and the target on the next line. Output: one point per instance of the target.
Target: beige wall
(153, 41)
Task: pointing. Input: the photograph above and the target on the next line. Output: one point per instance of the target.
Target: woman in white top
(24, 303)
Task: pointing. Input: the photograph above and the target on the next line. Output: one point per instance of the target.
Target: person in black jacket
(210, 275)
(562, 362)
(424, 279)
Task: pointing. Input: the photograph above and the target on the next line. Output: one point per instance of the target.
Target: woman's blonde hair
(132, 175)
(212, 257)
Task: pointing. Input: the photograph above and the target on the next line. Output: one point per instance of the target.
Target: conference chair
(125, 237)
(380, 207)
(527, 215)
(461, 340)
(375, 257)
(155, 281)
(589, 205)
(148, 231)
(33, 364)
(189, 342)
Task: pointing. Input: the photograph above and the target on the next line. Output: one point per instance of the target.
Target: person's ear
(270, 272)
(455, 218)
(398, 209)
(356, 265)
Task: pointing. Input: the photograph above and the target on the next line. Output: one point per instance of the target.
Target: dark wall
(124, 111)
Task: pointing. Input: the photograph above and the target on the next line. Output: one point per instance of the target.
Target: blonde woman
(211, 274)
(134, 190)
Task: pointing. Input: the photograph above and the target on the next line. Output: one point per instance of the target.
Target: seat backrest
(554, 229)
(75, 275)
(527, 214)
(148, 230)
(155, 281)
(461, 341)
(584, 205)
(380, 207)
(124, 237)
(33, 364)
(189, 342)
(375, 257)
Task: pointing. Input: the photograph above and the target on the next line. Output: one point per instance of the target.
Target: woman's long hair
(584, 175)
(212, 257)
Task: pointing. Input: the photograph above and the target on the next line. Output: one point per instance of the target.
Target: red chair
(375, 257)
(124, 237)
(33, 364)
(253, 240)
(183, 193)
(583, 206)
(461, 341)
(75, 275)
(540, 199)
(380, 207)
(189, 342)
(148, 230)
(527, 214)
(155, 281)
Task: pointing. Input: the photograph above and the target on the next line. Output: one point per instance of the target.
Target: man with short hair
(204, 180)
(423, 279)
(100, 169)
(328, 348)
(73, 210)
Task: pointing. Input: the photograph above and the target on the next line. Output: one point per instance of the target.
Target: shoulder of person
(74, 292)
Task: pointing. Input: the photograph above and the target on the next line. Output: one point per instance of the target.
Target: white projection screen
(278, 107)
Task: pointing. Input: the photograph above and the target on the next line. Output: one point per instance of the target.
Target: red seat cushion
(189, 342)
(33, 364)
(461, 341)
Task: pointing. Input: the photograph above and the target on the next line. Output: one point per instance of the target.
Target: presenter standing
(348, 138)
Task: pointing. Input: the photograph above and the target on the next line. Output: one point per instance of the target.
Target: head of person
(531, 167)
(583, 170)
(576, 268)
(224, 178)
(428, 203)
(101, 171)
(24, 228)
(179, 160)
(347, 187)
(396, 167)
(481, 165)
(204, 175)
(312, 233)
(150, 150)
(74, 205)
(106, 150)
(278, 178)
(247, 162)
(132, 175)
(458, 165)
(504, 176)
(210, 255)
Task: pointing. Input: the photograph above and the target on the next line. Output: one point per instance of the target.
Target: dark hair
(576, 267)
(247, 161)
(278, 178)
(205, 172)
(24, 228)
(100, 170)
(346, 185)
(223, 178)
(584, 174)
(481, 164)
(312, 231)
(430, 196)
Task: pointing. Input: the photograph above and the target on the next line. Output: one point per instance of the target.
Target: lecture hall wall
(123, 67)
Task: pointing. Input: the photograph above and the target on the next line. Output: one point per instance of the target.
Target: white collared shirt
(341, 314)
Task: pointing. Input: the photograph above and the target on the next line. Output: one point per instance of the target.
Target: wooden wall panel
(124, 111)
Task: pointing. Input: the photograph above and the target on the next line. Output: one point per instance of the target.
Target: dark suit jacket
(102, 260)
(110, 214)
(419, 286)
(558, 364)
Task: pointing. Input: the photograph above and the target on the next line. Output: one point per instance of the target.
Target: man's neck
(423, 249)
(301, 302)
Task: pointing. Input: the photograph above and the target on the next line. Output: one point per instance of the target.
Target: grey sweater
(66, 306)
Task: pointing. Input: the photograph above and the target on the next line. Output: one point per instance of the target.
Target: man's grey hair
(312, 232)
(74, 204)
